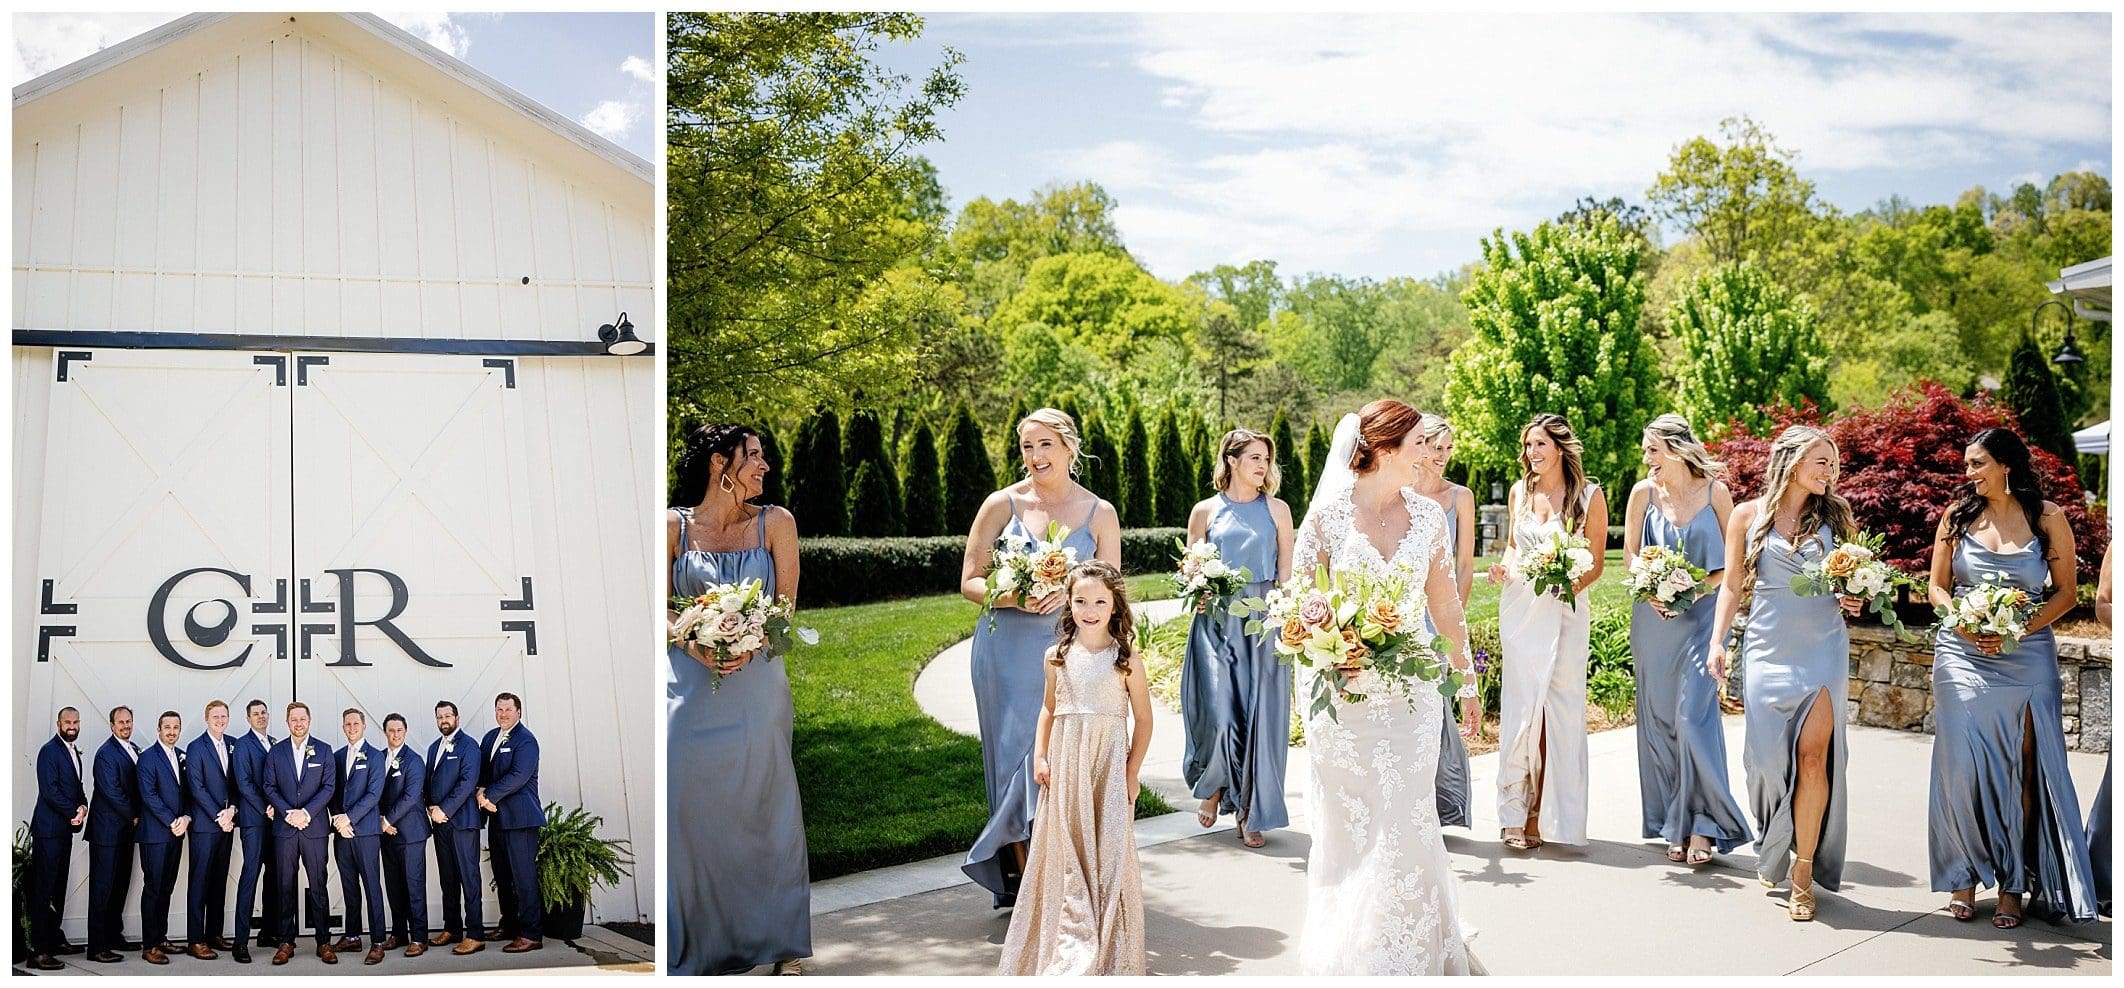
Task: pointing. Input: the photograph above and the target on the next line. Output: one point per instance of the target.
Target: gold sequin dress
(1080, 905)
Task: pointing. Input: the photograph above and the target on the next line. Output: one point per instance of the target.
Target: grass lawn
(1608, 595)
(882, 783)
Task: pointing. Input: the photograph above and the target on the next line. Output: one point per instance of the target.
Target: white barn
(310, 403)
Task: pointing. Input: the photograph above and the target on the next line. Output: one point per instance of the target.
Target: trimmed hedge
(839, 571)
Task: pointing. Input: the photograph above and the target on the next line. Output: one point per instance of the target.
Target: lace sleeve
(1427, 534)
(1325, 524)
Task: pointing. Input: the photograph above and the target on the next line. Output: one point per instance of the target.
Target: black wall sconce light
(619, 339)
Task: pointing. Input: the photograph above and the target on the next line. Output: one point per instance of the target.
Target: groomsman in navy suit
(163, 823)
(453, 778)
(254, 823)
(299, 787)
(358, 849)
(208, 788)
(509, 794)
(405, 840)
(113, 815)
(62, 808)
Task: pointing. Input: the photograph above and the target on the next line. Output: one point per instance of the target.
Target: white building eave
(2087, 286)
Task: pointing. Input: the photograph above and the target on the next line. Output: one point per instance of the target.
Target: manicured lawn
(882, 783)
(1609, 594)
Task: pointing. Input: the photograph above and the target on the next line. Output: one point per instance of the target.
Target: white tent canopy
(2093, 440)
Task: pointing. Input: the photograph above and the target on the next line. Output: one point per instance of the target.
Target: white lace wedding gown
(1380, 891)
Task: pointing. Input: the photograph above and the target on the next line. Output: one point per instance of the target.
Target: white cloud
(639, 68)
(436, 28)
(613, 119)
(44, 42)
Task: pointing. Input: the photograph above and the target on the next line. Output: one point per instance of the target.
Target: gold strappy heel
(792, 966)
(1802, 904)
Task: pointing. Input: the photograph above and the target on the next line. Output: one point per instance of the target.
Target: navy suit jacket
(161, 796)
(312, 793)
(405, 796)
(452, 781)
(248, 764)
(510, 776)
(117, 802)
(205, 786)
(361, 792)
(59, 792)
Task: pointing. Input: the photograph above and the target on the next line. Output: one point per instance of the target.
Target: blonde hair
(1434, 426)
(1558, 429)
(209, 711)
(1064, 426)
(1233, 446)
(1674, 431)
(1828, 508)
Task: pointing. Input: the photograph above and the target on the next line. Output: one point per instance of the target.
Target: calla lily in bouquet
(1345, 624)
(1031, 570)
(730, 619)
(1855, 569)
(1663, 575)
(1203, 578)
(1993, 607)
(1553, 564)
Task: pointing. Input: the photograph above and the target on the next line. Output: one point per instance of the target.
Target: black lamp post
(2068, 352)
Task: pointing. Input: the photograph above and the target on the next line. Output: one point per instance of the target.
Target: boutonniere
(308, 751)
(181, 756)
(504, 739)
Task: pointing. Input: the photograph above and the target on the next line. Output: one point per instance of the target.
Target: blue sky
(1388, 144)
(597, 69)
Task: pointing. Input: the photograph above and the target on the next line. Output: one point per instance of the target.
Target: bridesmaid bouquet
(1992, 608)
(1855, 569)
(1553, 563)
(1330, 623)
(1031, 570)
(1666, 576)
(735, 618)
(1203, 578)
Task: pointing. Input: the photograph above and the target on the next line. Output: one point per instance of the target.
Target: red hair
(1380, 425)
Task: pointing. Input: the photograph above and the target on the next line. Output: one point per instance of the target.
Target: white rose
(1003, 581)
(1581, 562)
(1215, 568)
(749, 643)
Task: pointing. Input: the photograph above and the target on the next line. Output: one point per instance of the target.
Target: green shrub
(840, 571)
(1611, 682)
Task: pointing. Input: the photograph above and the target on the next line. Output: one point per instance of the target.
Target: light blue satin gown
(1794, 647)
(1009, 685)
(1681, 743)
(740, 892)
(1234, 696)
(1452, 780)
(2098, 840)
(1977, 833)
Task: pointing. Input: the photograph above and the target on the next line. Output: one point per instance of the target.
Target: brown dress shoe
(522, 944)
(154, 955)
(416, 948)
(169, 949)
(393, 942)
(46, 962)
(324, 953)
(468, 946)
(286, 951)
(444, 939)
(222, 943)
(375, 955)
(201, 951)
(347, 943)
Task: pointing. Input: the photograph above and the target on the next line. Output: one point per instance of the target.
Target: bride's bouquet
(1855, 569)
(1343, 624)
(1203, 579)
(1030, 569)
(1991, 608)
(730, 619)
(1553, 563)
(1666, 576)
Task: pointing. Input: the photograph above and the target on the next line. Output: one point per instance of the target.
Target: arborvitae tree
(2033, 392)
(1136, 508)
(1290, 464)
(872, 510)
(924, 485)
(866, 444)
(1174, 474)
(969, 475)
(1316, 453)
(1101, 470)
(771, 490)
(1204, 450)
(819, 488)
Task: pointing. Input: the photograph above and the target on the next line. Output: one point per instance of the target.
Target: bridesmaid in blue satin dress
(2003, 809)
(1009, 680)
(1796, 662)
(740, 884)
(1681, 741)
(2098, 815)
(1235, 698)
(1454, 799)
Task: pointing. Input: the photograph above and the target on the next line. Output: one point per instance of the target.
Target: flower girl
(1080, 905)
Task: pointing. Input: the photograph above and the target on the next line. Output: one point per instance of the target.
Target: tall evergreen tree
(1136, 508)
(771, 490)
(1290, 464)
(1173, 473)
(1204, 451)
(1316, 454)
(819, 488)
(2033, 392)
(924, 485)
(1101, 472)
(866, 444)
(969, 475)
(872, 487)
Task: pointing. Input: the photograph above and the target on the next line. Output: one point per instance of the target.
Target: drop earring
(727, 485)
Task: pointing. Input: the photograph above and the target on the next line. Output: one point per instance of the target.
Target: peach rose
(1840, 564)
(1354, 650)
(1649, 553)
(1294, 632)
(1050, 567)
(1384, 614)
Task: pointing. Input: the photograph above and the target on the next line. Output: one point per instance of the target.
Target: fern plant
(573, 860)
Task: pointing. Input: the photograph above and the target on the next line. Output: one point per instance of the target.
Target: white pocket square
(504, 751)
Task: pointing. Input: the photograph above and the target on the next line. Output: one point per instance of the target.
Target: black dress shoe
(221, 943)
(129, 946)
(71, 948)
(105, 957)
(241, 952)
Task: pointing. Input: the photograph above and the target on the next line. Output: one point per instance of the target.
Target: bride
(1379, 888)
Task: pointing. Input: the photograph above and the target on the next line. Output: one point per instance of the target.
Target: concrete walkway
(1615, 906)
(598, 951)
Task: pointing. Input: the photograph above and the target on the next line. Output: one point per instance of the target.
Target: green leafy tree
(924, 485)
(1174, 473)
(969, 475)
(1555, 315)
(793, 189)
(819, 487)
(1742, 199)
(1746, 345)
(1137, 510)
(994, 243)
(1105, 304)
(2033, 392)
